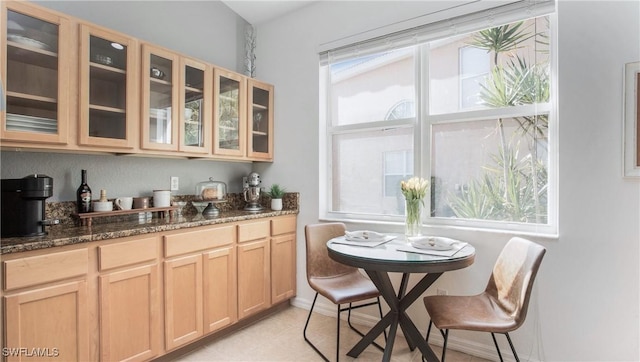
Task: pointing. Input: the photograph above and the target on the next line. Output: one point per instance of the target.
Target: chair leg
(426, 338)
(445, 336)
(338, 333)
(304, 333)
(512, 348)
(497, 348)
(375, 344)
(444, 346)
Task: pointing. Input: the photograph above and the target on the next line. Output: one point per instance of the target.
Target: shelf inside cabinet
(28, 99)
(259, 133)
(107, 73)
(30, 105)
(260, 107)
(159, 81)
(193, 90)
(107, 109)
(33, 56)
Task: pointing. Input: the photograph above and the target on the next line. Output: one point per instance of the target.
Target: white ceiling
(261, 11)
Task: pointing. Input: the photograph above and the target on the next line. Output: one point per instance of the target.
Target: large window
(471, 112)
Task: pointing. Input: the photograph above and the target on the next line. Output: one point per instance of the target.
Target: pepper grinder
(103, 195)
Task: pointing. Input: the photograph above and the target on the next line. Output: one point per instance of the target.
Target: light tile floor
(279, 338)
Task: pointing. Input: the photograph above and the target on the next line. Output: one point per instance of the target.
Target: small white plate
(433, 243)
(364, 235)
(27, 41)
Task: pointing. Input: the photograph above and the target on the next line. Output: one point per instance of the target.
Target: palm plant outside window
(481, 135)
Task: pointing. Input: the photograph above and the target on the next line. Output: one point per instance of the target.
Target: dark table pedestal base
(397, 315)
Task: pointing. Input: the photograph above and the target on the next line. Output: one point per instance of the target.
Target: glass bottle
(83, 195)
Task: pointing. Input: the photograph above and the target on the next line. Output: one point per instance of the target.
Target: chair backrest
(319, 264)
(513, 275)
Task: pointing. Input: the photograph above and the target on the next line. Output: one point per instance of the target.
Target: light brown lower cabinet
(129, 322)
(48, 323)
(283, 283)
(46, 311)
(200, 283)
(137, 298)
(183, 300)
(129, 305)
(220, 285)
(254, 292)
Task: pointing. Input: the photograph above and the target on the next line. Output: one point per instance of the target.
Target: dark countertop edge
(85, 234)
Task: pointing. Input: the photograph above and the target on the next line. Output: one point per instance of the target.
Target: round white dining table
(389, 257)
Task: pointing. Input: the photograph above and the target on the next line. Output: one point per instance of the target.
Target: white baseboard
(486, 351)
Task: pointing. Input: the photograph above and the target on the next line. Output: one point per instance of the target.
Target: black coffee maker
(23, 206)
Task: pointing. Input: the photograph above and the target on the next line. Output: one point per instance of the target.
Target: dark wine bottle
(83, 195)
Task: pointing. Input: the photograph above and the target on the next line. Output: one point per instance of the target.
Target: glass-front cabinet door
(160, 98)
(229, 113)
(108, 88)
(260, 138)
(35, 92)
(195, 104)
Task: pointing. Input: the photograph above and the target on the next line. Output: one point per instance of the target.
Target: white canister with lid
(161, 198)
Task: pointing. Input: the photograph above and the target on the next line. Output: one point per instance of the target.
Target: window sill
(443, 229)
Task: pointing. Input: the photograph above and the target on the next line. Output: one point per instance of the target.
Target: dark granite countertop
(60, 235)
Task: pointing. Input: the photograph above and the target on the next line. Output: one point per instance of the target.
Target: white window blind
(438, 29)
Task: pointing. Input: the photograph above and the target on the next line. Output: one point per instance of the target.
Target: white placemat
(366, 243)
(456, 248)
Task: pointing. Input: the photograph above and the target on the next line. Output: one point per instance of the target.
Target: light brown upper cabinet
(229, 113)
(70, 85)
(35, 56)
(260, 136)
(195, 101)
(109, 88)
(160, 99)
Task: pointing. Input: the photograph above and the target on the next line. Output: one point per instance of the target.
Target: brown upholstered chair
(339, 283)
(502, 307)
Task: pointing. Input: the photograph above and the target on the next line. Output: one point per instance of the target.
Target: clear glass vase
(413, 217)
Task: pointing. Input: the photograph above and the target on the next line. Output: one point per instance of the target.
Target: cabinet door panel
(129, 314)
(260, 120)
(283, 268)
(220, 289)
(183, 300)
(108, 84)
(53, 321)
(230, 113)
(34, 72)
(196, 88)
(160, 96)
(253, 277)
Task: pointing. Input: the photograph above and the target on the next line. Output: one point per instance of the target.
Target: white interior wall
(586, 299)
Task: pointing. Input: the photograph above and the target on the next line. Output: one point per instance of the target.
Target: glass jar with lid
(213, 192)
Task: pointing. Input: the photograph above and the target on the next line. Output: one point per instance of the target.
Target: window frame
(422, 126)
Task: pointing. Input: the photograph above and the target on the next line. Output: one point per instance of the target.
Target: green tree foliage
(513, 187)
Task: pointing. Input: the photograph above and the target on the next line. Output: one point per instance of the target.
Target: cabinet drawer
(128, 253)
(187, 242)
(283, 225)
(47, 268)
(253, 231)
